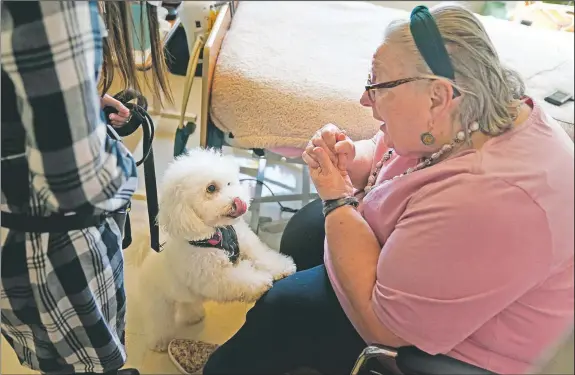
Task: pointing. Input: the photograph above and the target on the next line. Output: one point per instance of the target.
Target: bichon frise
(210, 253)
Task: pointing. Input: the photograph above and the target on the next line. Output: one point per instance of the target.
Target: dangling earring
(427, 139)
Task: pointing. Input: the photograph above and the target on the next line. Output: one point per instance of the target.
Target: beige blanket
(287, 68)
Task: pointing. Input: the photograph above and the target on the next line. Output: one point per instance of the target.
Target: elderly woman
(451, 230)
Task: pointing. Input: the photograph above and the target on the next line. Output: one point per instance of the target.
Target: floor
(221, 321)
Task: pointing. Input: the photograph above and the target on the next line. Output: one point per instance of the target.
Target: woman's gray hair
(491, 92)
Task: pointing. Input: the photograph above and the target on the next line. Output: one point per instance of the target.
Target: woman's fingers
(119, 121)
(320, 142)
(342, 162)
(328, 134)
(344, 150)
(119, 118)
(309, 148)
(123, 115)
(309, 160)
(309, 152)
(118, 105)
(344, 147)
(323, 159)
(327, 138)
(329, 128)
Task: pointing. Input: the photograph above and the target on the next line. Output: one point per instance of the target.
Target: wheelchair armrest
(411, 360)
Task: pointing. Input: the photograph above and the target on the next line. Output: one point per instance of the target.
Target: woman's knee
(298, 302)
(276, 303)
(277, 326)
(303, 237)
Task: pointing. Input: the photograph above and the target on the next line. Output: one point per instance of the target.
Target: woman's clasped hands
(328, 154)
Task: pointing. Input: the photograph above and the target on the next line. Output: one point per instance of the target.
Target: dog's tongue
(239, 208)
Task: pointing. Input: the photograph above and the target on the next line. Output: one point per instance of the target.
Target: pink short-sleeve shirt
(477, 251)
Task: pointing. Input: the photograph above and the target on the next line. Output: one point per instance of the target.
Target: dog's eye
(211, 188)
(229, 183)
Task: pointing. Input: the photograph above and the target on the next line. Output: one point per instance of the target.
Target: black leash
(57, 223)
(139, 118)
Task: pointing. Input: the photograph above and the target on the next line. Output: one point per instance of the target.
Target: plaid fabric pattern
(62, 295)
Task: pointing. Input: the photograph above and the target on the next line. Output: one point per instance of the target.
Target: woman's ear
(441, 93)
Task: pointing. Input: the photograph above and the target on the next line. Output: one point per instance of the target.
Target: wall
(475, 6)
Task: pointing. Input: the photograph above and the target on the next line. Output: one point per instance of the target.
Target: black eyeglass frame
(370, 87)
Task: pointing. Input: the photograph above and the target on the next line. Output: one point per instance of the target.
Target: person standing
(62, 291)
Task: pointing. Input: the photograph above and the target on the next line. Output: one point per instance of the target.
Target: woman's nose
(364, 100)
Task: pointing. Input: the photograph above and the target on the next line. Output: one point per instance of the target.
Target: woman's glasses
(371, 87)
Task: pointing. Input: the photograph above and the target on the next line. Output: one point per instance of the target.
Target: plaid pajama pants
(63, 300)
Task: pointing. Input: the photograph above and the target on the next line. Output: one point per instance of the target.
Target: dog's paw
(259, 284)
(190, 321)
(278, 265)
(160, 346)
(189, 314)
(287, 268)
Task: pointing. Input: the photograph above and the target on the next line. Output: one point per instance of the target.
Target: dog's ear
(177, 216)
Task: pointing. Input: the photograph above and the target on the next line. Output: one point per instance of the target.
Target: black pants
(297, 323)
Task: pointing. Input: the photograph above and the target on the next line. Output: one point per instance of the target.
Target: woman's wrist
(332, 204)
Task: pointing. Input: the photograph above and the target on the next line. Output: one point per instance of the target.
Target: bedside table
(544, 15)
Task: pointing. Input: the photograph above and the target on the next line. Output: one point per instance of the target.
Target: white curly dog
(210, 253)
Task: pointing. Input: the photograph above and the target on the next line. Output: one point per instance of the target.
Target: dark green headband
(430, 43)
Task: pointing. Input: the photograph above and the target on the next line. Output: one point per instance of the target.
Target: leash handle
(139, 117)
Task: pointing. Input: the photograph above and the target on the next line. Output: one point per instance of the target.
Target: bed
(275, 72)
(285, 69)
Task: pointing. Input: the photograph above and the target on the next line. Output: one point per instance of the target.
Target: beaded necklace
(424, 163)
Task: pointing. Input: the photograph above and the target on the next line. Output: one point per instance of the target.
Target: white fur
(173, 284)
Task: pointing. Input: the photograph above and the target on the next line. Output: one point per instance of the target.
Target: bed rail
(211, 52)
(210, 57)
